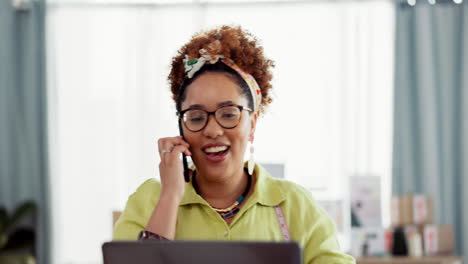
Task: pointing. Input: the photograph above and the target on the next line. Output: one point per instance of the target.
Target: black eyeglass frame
(240, 107)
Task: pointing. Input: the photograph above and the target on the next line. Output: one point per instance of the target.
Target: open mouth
(216, 154)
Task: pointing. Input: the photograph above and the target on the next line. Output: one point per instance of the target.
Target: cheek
(241, 137)
(191, 138)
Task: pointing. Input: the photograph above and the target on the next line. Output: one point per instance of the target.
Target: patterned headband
(192, 66)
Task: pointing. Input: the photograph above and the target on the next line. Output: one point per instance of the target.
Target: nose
(212, 128)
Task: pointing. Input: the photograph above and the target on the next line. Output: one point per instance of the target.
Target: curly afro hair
(233, 43)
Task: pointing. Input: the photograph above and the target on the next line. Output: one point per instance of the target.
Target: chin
(216, 170)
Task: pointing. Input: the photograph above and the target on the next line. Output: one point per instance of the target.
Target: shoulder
(143, 200)
(308, 222)
(290, 195)
(147, 193)
(150, 186)
(137, 210)
(295, 194)
(300, 207)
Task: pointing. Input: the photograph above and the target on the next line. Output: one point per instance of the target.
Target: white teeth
(216, 149)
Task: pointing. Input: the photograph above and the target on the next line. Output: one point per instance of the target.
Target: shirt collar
(267, 190)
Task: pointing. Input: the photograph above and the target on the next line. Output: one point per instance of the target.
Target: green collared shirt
(308, 224)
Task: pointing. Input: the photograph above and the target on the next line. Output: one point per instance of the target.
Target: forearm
(164, 217)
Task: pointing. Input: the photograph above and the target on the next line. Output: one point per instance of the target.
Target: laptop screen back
(201, 252)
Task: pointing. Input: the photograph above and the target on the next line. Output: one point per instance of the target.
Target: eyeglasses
(226, 116)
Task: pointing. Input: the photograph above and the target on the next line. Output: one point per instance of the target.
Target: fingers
(170, 149)
(173, 157)
(179, 149)
(166, 145)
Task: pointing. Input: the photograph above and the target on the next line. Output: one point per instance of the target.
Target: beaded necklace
(234, 208)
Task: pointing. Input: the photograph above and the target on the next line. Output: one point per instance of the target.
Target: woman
(220, 83)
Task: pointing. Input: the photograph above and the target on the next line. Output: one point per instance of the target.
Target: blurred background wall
(375, 89)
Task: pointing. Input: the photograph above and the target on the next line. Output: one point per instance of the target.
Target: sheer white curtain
(331, 117)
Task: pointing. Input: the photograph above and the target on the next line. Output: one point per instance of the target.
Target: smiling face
(208, 146)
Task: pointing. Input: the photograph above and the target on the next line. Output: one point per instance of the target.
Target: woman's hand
(170, 167)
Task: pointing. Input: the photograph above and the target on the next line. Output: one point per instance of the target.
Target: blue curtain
(23, 138)
(431, 109)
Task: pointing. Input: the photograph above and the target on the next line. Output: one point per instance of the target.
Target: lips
(216, 152)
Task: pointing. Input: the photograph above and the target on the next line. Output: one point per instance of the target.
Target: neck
(225, 190)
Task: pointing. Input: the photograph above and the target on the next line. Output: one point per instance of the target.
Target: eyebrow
(199, 106)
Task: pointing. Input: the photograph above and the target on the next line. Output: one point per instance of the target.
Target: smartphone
(184, 157)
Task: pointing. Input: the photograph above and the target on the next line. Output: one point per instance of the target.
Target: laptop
(201, 252)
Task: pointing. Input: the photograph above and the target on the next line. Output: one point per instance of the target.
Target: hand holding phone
(170, 167)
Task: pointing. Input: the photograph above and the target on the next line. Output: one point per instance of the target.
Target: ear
(253, 125)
